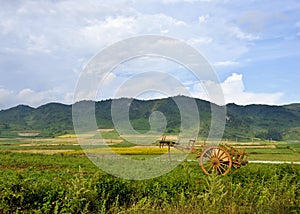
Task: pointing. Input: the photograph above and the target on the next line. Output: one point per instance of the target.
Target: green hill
(242, 122)
(262, 121)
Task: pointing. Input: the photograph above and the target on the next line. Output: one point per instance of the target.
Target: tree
(274, 134)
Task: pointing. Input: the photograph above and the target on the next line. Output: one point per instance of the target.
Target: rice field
(269, 151)
(54, 175)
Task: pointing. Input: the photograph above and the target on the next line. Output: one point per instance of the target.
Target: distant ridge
(243, 122)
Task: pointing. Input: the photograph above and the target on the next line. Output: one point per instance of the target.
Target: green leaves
(243, 122)
(72, 184)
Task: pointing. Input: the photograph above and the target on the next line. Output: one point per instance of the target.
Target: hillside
(243, 122)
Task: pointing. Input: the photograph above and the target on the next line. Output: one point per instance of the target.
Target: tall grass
(71, 188)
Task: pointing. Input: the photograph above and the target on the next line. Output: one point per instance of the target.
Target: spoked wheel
(215, 159)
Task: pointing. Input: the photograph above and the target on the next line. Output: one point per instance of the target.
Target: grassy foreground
(63, 183)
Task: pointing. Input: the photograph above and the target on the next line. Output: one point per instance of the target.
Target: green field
(269, 151)
(72, 184)
(52, 175)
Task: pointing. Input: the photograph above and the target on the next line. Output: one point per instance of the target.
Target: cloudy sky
(253, 46)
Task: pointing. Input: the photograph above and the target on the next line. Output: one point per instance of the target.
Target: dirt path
(263, 162)
(275, 162)
(43, 151)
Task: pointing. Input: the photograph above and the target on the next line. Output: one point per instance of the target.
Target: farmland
(52, 175)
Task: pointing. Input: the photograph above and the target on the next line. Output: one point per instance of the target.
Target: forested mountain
(242, 122)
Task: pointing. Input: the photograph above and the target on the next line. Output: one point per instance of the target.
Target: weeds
(72, 185)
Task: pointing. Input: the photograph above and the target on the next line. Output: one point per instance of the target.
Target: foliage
(71, 184)
(274, 134)
(243, 122)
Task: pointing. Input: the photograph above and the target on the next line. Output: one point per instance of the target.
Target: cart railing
(219, 159)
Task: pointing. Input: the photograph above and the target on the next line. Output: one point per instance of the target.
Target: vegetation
(243, 122)
(44, 170)
(68, 182)
(72, 184)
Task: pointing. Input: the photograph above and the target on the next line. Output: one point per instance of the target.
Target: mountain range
(242, 122)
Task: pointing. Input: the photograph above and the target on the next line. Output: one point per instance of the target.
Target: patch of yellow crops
(76, 135)
(128, 151)
(140, 151)
(67, 136)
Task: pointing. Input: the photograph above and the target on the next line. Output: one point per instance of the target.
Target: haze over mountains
(243, 123)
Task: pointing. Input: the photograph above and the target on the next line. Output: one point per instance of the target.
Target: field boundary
(274, 162)
(260, 161)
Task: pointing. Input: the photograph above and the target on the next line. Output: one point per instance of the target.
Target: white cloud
(202, 19)
(45, 41)
(226, 64)
(9, 98)
(242, 35)
(200, 40)
(233, 89)
(148, 83)
(38, 44)
(234, 92)
(6, 98)
(32, 98)
(96, 33)
(72, 29)
(218, 39)
(233, 84)
(298, 26)
(7, 25)
(182, 1)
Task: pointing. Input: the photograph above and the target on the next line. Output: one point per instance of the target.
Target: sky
(253, 46)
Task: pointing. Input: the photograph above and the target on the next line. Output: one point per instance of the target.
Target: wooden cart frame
(213, 159)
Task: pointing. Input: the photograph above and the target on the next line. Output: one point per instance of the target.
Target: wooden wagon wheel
(215, 159)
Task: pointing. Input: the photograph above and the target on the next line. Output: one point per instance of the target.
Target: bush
(255, 188)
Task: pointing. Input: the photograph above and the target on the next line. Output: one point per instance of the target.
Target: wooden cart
(221, 159)
(213, 159)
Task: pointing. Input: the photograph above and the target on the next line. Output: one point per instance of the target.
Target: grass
(26, 144)
(269, 151)
(294, 146)
(42, 147)
(282, 151)
(70, 183)
(275, 157)
(22, 161)
(63, 183)
(110, 134)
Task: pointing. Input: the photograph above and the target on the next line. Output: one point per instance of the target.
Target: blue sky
(253, 46)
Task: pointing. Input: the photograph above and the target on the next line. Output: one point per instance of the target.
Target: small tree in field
(274, 134)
